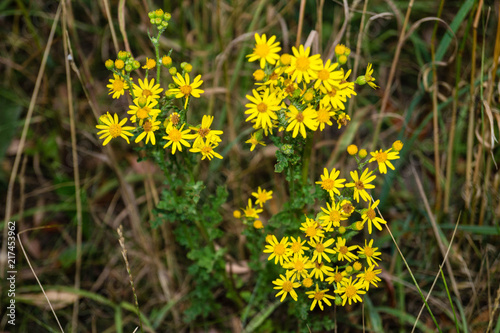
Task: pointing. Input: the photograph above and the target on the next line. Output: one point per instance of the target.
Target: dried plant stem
(111, 25)
(121, 239)
(435, 117)
(385, 98)
(22, 141)
(68, 57)
(301, 21)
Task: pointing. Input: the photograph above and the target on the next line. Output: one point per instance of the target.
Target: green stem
(306, 158)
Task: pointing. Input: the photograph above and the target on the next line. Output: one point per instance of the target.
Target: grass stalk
(449, 298)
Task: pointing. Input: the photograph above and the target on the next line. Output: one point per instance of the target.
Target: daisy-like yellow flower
(383, 159)
(279, 250)
(149, 128)
(328, 76)
(346, 208)
(319, 296)
(351, 291)
(343, 119)
(143, 108)
(304, 66)
(324, 114)
(186, 88)
(150, 64)
(333, 216)
(297, 246)
(298, 120)
(262, 196)
(147, 89)
(330, 183)
(337, 277)
(262, 109)
(346, 86)
(321, 249)
(112, 128)
(299, 265)
(203, 131)
(369, 277)
(250, 211)
(370, 253)
(206, 149)
(287, 285)
(177, 137)
(368, 78)
(254, 141)
(371, 217)
(320, 270)
(117, 86)
(344, 251)
(312, 229)
(361, 184)
(265, 50)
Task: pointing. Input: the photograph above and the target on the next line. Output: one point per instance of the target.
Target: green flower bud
(110, 64)
(361, 80)
(136, 64)
(151, 15)
(338, 300)
(129, 68)
(287, 149)
(158, 21)
(123, 55)
(167, 16)
(172, 71)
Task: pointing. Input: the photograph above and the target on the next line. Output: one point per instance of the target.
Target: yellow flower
(117, 86)
(286, 284)
(346, 208)
(113, 128)
(150, 64)
(320, 270)
(299, 266)
(262, 109)
(147, 89)
(262, 196)
(279, 250)
(383, 159)
(335, 96)
(323, 114)
(176, 137)
(254, 141)
(149, 128)
(397, 145)
(303, 66)
(369, 78)
(186, 88)
(143, 109)
(203, 131)
(328, 76)
(297, 247)
(265, 50)
(257, 224)
(237, 214)
(351, 291)
(343, 119)
(337, 277)
(166, 61)
(333, 216)
(319, 296)
(312, 229)
(344, 251)
(251, 212)
(371, 216)
(330, 183)
(259, 75)
(370, 253)
(362, 183)
(369, 277)
(206, 148)
(321, 249)
(298, 120)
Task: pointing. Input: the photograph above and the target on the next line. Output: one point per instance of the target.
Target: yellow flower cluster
(253, 209)
(298, 92)
(325, 261)
(155, 117)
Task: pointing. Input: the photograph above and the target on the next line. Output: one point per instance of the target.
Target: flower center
(323, 115)
(147, 126)
(319, 295)
(186, 90)
(203, 132)
(369, 276)
(343, 249)
(299, 117)
(118, 85)
(147, 93)
(307, 282)
(335, 216)
(332, 93)
(381, 157)
(302, 64)
(359, 185)
(279, 249)
(368, 251)
(262, 50)
(338, 277)
(370, 213)
(262, 107)
(299, 265)
(274, 76)
(328, 184)
(350, 291)
(296, 246)
(175, 135)
(175, 118)
(323, 74)
(142, 113)
(311, 231)
(320, 248)
(262, 197)
(347, 208)
(115, 130)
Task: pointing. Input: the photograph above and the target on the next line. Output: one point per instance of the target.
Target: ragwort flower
(265, 50)
(112, 128)
(117, 86)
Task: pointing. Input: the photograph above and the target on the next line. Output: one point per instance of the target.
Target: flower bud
(342, 230)
(119, 64)
(110, 64)
(129, 68)
(158, 21)
(257, 224)
(259, 75)
(166, 61)
(362, 153)
(188, 68)
(308, 96)
(397, 146)
(237, 214)
(151, 15)
(285, 59)
(340, 49)
(142, 101)
(172, 71)
(167, 16)
(136, 64)
(338, 300)
(352, 150)
(342, 59)
(159, 13)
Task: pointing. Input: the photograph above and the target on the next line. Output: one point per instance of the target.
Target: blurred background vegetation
(436, 63)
